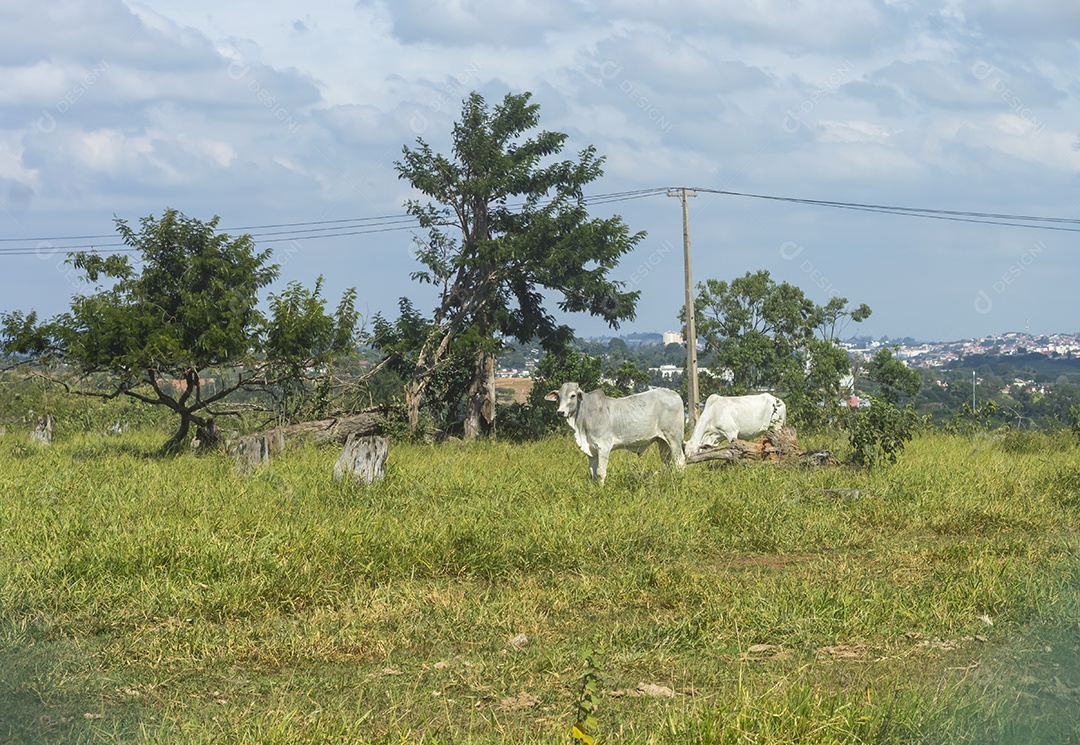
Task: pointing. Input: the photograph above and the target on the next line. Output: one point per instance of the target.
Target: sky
(276, 113)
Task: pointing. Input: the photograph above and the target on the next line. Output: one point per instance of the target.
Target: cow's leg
(665, 450)
(601, 464)
(594, 464)
(671, 449)
(675, 448)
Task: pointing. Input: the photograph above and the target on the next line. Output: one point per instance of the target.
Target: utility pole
(691, 332)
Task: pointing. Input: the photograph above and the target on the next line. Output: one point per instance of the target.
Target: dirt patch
(512, 390)
(768, 561)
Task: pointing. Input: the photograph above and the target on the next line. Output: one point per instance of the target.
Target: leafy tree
(181, 327)
(504, 224)
(894, 377)
(628, 377)
(771, 336)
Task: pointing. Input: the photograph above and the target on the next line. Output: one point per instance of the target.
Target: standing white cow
(736, 417)
(603, 424)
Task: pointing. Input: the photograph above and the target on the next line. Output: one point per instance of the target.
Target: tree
(894, 377)
(628, 377)
(403, 339)
(505, 223)
(181, 328)
(771, 336)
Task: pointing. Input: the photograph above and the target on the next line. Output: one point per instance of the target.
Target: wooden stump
(252, 452)
(362, 458)
(255, 450)
(43, 432)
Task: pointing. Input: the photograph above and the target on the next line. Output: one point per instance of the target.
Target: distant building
(672, 337)
(666, 371)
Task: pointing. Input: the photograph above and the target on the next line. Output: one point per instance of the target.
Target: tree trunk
(176, 442)
(414, 396)
(252, 452)
(362, 458)
(480, 404)
(782, 446)
(43, 432)
(207, 435)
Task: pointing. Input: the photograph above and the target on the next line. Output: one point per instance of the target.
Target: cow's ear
(553, 396)
(580, 395)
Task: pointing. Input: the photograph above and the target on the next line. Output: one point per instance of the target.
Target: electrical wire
(318, 229)
(275, 232)
(985, 218)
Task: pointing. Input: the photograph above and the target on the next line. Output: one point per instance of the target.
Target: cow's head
(569, 396)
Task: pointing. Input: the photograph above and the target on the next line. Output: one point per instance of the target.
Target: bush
(877, 433)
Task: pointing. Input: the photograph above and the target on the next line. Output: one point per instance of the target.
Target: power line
(341, 228)
(275, 232)
(985, 218)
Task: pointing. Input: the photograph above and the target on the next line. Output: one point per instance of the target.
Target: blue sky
(272, 112)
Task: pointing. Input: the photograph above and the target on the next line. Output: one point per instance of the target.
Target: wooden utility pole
(691, 332)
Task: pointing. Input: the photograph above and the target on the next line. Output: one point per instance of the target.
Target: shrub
(877, 433)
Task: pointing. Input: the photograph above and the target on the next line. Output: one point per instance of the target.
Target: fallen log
(325, 431)
(776, 446)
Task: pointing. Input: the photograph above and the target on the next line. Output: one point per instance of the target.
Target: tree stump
(362, 458)
(43, 432)
(252, 452)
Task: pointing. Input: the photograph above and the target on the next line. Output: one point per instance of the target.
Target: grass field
(179, 600)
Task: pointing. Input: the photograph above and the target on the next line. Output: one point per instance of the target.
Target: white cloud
(285, 112)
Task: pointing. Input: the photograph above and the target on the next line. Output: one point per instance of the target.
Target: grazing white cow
(736, 417)
(603, 424)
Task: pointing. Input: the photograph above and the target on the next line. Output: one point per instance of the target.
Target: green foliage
(302, 342)
(1074, 420)
(585, 722)
(506, 224)
(181, 327)
(877, 433)
(772, 337)
(628, 378)
(402, 340)
(894, 377)
(967, 420)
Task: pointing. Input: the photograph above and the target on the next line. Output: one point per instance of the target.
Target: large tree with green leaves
(771, 336)
(506, 221)
(181, 328)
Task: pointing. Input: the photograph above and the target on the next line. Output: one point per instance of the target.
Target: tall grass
(180, 600)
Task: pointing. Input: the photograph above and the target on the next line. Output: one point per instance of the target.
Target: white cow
(736, 417)
(603, 424)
